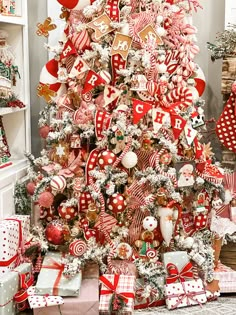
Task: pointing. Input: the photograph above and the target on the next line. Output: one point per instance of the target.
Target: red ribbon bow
(175, 275)
(60, 267)
(112, 288)
(26, 280)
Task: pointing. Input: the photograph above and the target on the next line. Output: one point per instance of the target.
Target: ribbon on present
(190, 296)
(25, 281)
(58, 266)
(112, 288)
(174, 274)
(18, 256)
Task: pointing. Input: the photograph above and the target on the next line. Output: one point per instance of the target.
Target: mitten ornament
(226, 125)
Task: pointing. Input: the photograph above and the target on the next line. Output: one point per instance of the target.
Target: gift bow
(174, 274)
(112, 288)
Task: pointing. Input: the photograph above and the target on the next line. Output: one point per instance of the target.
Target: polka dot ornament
(67, 212)
(106, 158)
(116, 203)
(226, 125)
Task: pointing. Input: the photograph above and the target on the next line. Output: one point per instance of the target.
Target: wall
(209, 21)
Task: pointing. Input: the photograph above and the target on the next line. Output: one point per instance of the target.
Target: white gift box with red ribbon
(13, 234)
(37, 301)
(180, 294)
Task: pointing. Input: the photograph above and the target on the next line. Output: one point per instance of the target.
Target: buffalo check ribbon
(174, 274)
(112, 288)
(56, 266)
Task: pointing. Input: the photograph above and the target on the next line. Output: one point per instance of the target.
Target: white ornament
(188, 242)
(166, 225)
(160, 19)
(161, 31)
(129, 160)
(162, 68)
(58, 183)
(149, 223)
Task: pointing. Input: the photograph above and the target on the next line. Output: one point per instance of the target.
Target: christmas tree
(124, 177)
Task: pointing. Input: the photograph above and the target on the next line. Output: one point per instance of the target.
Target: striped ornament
(105, 75)
(81, 40)
(181, 95)
(58, 183)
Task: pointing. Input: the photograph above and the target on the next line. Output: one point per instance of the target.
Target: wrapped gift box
(51, 279)
(121, 285)
(141, 301)
(226, 277)
(39, 301)
(179, 258)
(87, 303)
(184, 294)
(9, 286)
(13, 233)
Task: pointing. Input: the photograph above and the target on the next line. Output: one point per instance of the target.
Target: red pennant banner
(140, 108)
(69, 49)
(178, 124)
(92, 80)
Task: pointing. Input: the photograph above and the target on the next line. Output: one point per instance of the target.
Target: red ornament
(67, 212)
(116, 203)
(106, 158)
(44, 131)
(55, 233)
(152, 87)
(45, 199)
(30, 187)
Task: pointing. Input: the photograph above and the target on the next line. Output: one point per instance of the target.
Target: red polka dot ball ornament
(67, 212)
(56, 232)
(106, 158)
(77, 248)
(45, 199)
(58, 183)
(44, 131)
(116, 203)
(149, 223)
(75, 4)
(47, 214)
(30, 187)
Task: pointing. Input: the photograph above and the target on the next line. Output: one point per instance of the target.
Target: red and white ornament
(47, 214)
(129, 160)
(58, 183)
(45, 199)
(55, 232)
(166, 158)
(152, 87)
(67, 212)
(149, 223)
(30, 187)
(75, 4)
(44, 131)
(151, 253)
(106, 158)
(77, 248)
(116, 203)
(105, 75)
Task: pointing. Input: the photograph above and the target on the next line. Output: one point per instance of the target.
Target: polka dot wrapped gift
(9, 286)
(37, 301)
(13, 234)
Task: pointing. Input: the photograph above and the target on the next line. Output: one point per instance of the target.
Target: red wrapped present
(13, 234)
(117, 289)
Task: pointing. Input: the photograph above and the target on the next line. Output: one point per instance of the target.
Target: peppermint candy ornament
(81, 40)
(226, 125)
(77, 248)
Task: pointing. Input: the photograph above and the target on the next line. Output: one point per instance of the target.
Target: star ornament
(45, 92)
(60, 153)
(45, 27)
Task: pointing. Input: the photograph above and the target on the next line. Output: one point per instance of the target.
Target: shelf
(15, 167)
(12, 19)
(7, 110)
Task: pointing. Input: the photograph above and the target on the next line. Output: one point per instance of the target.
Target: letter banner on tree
(101, 26)
(79, 66)
(159, 117)
(69, 49)
(110, 94)
(92, 80)
(140, 108)
(178, 124)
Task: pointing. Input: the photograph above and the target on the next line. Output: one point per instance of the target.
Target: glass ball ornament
(106, 158)
(129, 160)
(67, 212)
(116, 203)
(149, 223)
(45, 199)
(56, 232)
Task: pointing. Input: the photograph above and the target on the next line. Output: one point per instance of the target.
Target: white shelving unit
(16, 121)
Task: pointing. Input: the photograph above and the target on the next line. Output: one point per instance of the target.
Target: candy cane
(155, 163)
(182, 95)
(107, 236)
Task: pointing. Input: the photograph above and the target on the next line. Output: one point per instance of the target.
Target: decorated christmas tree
(124, 179)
